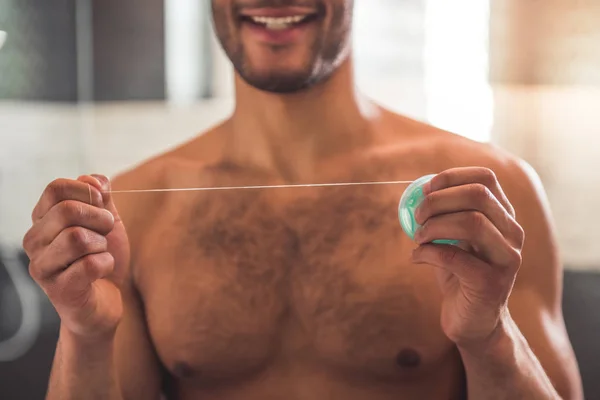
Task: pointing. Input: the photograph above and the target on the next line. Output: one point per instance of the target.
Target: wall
(128, 50)
(39, 143)
(556, 129)
(545, 67)
(388, 39)
(549, 42)
(70, 51)
(39, 59)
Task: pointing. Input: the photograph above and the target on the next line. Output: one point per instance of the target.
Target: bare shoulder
(517, 178)
(442, 150)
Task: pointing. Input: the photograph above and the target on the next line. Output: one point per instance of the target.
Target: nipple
(409, 202)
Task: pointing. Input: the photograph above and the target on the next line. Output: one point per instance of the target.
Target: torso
(294, 293)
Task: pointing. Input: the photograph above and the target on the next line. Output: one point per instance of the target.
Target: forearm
(83, 370)
(506, 368)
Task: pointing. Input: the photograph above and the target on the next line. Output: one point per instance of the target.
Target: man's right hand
(79, 251)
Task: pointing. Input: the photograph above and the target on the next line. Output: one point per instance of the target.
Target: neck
(289, 134)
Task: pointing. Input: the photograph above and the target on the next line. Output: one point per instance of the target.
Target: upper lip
(277, 12)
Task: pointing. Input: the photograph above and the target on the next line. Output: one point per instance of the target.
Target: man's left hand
(477, 276)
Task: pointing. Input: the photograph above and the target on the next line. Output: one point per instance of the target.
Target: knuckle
(480, 193)
(28, 241)
(94, 261)
(97, 265)
(57, 187)
(515, 258)
(516, 233)
(79, 238)
(520, 234)
(110, 260)
(476, 221)
(488, 175)
(35, 213)
(73, 211)
(90, 264)
(38, 272)
(87, 270)
(34, 271)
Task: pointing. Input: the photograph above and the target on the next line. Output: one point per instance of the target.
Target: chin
(278, 76)
(279, 81)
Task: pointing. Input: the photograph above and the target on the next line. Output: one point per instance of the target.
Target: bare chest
(233, 283)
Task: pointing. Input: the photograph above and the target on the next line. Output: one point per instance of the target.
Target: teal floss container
(409, 202)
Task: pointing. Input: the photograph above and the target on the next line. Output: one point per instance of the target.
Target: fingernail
(419, 235)
(426, 188)
(103, 181)
(99, 186)
(418, 213)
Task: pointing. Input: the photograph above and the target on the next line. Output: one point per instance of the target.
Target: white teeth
(279, 23)
(277, 26)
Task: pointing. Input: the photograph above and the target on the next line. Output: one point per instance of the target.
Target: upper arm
(536, 301)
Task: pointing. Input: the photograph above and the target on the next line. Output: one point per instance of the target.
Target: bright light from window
(459, 98)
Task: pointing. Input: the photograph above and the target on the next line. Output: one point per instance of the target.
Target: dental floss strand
(206, 189)
(409, 202)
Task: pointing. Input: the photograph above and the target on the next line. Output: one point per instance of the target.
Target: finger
(107, 198)
(452, 259)
(66, 214)
(478, 280)
(65, 189)
(74, 283)
(70, 245)
(471, 197)
(117, 246)
(467, 175)
(474, 229)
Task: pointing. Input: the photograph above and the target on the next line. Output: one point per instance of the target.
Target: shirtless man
(310, 293)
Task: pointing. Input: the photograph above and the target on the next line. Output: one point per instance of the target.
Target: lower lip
(281, 36)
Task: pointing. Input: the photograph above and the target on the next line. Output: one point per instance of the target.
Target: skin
(305, 293)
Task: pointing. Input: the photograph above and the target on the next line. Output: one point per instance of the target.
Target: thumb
(118, 248)
(105, 189)
(102, 184)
